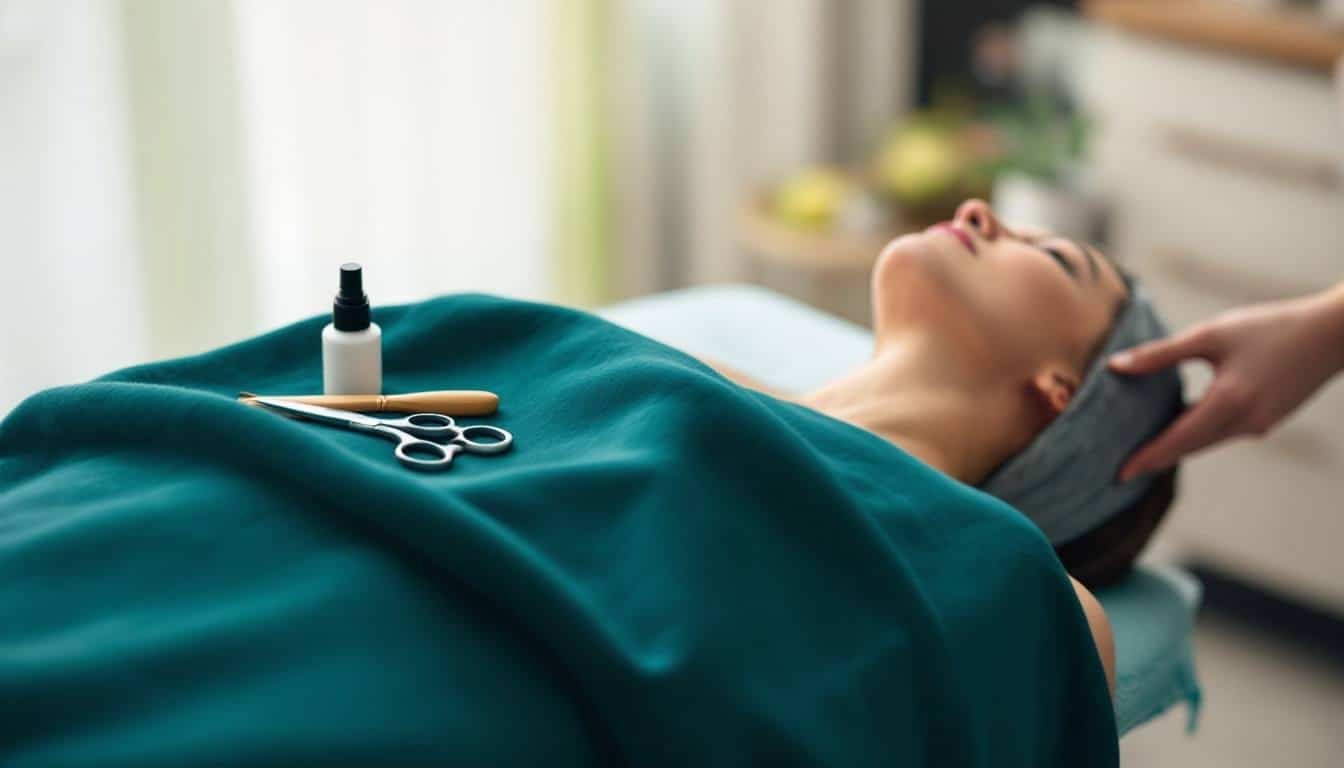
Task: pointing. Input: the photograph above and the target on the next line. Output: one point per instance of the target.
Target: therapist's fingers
(1207, 422)
(1198, 342)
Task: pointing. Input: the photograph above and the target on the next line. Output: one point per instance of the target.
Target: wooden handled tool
(453, 402)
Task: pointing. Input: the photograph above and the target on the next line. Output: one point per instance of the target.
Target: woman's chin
(916, 280)
(903, 247)
(910, 260)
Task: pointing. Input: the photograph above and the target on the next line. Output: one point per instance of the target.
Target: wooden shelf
(1297, 38)
(770, 241)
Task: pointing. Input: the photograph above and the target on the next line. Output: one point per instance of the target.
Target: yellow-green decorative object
(921, 165)
(813, 199)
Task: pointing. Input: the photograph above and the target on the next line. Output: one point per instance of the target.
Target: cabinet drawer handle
(1219, 281)
(1276, 165)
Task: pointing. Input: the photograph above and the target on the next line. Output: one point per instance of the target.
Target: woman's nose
(977, 216)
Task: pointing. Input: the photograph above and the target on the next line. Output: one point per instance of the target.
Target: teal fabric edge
(1170, 677)
(1182, 688)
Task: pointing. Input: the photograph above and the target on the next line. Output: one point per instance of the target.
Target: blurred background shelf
(1294, 36)
(827, 269)
(769, 240)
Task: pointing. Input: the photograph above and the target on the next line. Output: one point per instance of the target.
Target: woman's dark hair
(1106, 554)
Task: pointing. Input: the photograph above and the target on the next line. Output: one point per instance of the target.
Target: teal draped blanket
(667, 569)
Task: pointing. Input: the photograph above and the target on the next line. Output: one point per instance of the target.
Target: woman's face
(1019, 302)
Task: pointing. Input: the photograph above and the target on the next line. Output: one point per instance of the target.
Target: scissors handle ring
(497, 440)
(424, 454)
(431, 425)
(417, 453)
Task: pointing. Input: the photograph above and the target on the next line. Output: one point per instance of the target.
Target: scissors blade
(318, 413)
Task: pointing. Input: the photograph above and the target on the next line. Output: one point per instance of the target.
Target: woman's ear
(1055, 387)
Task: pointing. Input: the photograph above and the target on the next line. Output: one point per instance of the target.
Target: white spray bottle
(352, 345)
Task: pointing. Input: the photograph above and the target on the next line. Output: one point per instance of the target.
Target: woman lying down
(666, 569)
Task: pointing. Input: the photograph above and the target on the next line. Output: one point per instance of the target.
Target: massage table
(794, 348)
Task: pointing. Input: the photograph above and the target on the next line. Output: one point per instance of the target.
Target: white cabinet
(1226, 177)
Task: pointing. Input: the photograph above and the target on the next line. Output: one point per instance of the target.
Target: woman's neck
(913, 393)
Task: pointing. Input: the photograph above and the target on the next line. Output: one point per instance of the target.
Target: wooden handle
(460, 402)
(455, 402)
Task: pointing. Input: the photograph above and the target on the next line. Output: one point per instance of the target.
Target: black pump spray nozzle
(350, 310)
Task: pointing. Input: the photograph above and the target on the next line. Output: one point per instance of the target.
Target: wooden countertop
(767, 239)
(1298, 38)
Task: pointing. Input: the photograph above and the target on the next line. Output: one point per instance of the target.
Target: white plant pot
(1024, 201)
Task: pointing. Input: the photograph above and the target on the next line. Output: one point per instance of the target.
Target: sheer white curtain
(71, 303)
(412, 136)
(177, 174)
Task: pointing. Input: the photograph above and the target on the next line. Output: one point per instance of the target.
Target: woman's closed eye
(1063, 262)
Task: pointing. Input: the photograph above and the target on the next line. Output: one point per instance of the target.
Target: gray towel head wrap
(1064, 480)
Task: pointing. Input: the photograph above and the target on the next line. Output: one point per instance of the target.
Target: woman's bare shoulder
(1101, 630)
(744, 380)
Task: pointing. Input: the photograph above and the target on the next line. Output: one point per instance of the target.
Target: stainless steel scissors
(411, 450)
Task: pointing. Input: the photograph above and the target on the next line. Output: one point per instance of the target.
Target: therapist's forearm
(1330, 307)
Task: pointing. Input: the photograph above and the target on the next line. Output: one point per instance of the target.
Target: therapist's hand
(1268, 359)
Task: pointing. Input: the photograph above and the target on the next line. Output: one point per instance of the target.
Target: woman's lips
(958, 233)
